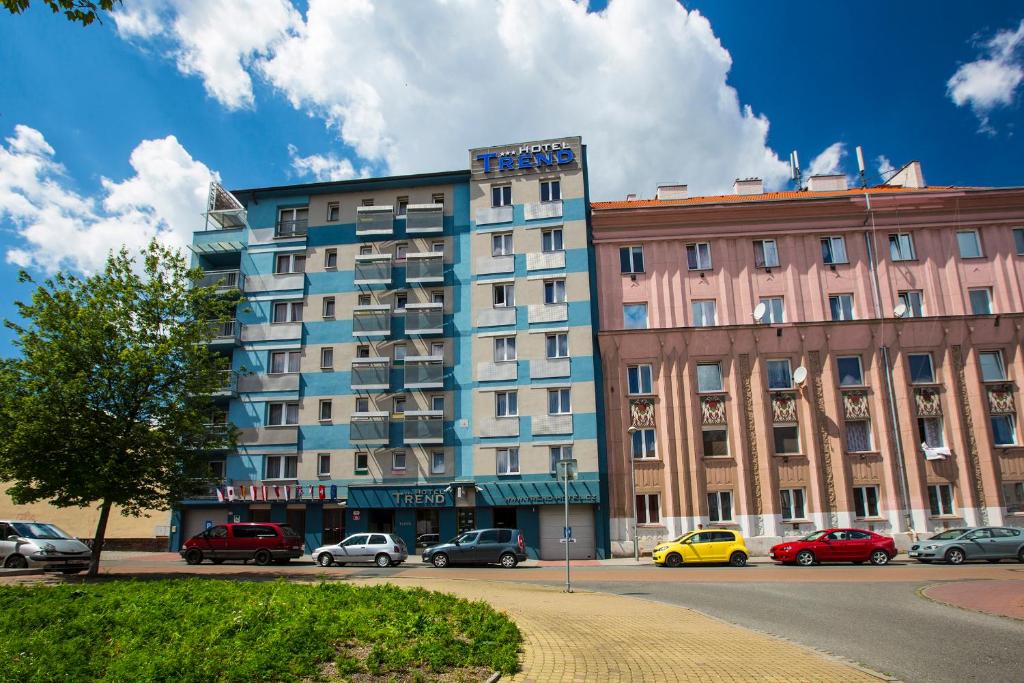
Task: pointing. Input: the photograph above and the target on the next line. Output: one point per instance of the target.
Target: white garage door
(581, 519)
(194, 520)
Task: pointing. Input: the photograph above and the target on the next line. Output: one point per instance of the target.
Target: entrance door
(505, 518)
(466, 519)
(428, 527)
(382, 521)
(334, 525)
(297, 521)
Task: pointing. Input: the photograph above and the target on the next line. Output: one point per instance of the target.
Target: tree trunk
(97, 542)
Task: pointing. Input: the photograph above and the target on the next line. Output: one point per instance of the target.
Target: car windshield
(948, 535)
(464, 538)
(43, 532)
(813, 536)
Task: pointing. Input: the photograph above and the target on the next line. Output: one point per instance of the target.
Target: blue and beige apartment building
(413, 353)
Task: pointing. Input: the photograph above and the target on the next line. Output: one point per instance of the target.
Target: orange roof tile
(767, 196)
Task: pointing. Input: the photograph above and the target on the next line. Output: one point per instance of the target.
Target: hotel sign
(417, 497)
(525, 157)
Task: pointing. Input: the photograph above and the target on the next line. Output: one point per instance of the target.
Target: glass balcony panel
(367, 429)
(424, 320)
(425, 429)
(222, 279)
(424, 268)
(375, 220)
(371, 375)
(371, 321)
(295, 228)
(372, 272)
(419, 375)
(424, 218)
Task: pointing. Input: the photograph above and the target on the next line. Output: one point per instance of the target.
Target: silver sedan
(956, 546)
(383, 550)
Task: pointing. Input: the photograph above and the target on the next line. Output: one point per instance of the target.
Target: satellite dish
(759, 312)
(900, 311)
(800, 375)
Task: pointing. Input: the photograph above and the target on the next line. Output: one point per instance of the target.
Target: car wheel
(955, 556)
(879, 558)
(263, 558)
(382, 560)
(16, 562)
(805, 558)
(508, 561)
(194, 556)
(1020, 555)
(674, 560)
(738, 559)
(440, 560)
(325, 560)
(218, 561)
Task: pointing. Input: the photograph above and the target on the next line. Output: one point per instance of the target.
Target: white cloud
(321, 167)
(59, 228)
(992, 80)
(885, 167)
(830, 161)
(411, 86)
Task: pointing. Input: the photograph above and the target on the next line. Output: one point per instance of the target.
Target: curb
(922, 593)
(20, 572)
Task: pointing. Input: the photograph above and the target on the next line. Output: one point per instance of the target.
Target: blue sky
(658, 94)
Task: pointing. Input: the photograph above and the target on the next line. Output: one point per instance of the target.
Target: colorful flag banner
(220, 495)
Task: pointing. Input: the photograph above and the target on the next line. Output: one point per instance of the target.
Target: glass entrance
(428, 527)
(334, 525)
(466, 519)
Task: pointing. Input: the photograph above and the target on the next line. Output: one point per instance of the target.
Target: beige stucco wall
(81, 522)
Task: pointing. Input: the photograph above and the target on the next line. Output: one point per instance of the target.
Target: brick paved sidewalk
(589, 636)
(1002, 598)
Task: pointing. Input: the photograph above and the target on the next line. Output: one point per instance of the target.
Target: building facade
(413, 353)
(780, 362)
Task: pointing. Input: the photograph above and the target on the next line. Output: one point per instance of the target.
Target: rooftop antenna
(794, 170)
(860, 166)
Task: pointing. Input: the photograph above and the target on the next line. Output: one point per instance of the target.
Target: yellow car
(703, 547)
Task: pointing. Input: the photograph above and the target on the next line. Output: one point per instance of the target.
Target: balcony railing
(424, 219)
(424, 319)
(371, 373)
(372, 269)
(369, 428)
(423, 426)
(227, 333)
(294, 228)
(375, 220)
(224, 280)
(371, 321)
(229, 385)
(426, 267)
(424, 372)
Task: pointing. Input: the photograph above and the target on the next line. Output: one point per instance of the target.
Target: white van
(25, 544)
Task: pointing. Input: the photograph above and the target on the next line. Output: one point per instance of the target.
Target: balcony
(423, 426)
(425, 267)
(542, 368)
(498, 214)
(497, 426)
(371, 373)
(492, 265)
(375, 220)
(424, 319)
(371, 321)
(424, 219)
(532, 212)
(494, 372)
(545, 260)
(544, 425)
(494, 317)
(223, 280)
(294, 228)
(229, 385)
(372, 269)
(224, 334)
(369, 428)
(548, 313)
(424, 372)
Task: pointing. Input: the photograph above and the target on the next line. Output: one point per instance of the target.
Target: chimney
(827, 183)
(631, 197)
(910, 176)
(746, 186)
(669, 192)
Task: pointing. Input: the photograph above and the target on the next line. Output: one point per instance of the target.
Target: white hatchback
(26, 544)
(383, 550)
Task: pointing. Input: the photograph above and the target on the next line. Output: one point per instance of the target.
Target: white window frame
(329, 307)
(1012, 422)
(511, 404)
(907, 296)
(699, 309)
(721, 378)
(333, 212)
(840, 298)
(365, 457)
(770, 309)
(506, 461)
(401, 251)
(942, 508)
(562, 453)
(505, 349)
(860, 494)
(280, 467)
(631, 259)
(563, 402)
(401, 301)
(977, 244)
(293, 259)
(501, 195)
(362, 404)
(502, 244)
(508, 295)
(554, 292)
(931, 368)
(648, 448)
(326, 357)
(291, 363)
(293, 312)
(860, 371)
(722, 508)
(642, 376)
(437, 402)
(829, 242)
(940, 431)
(553, 187)
(900, 242)
(701, 252)
(987, 291)
(321, 459)
(399, 352)
(998, 355)
(401, 206)
(398, 405)
(399, 461)
(330, 259)
(763, 244)
(328, 414)
(789, 508)
(435, 468)
(643, 517)
(552, 241)
(559, 341)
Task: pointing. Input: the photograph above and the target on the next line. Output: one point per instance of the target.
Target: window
(506, 404)
(504, 349)
(914, 301)
(551, 240)
(787, 439)
(901, 247)
(557, 454)
(1013, 496)
(327, 358)
(858, 436)
(698, 256)
(398, 461)
(437, 198)
(648, 509)
(501, 244)
(780, 376)
(330, 259)
(508, 461)
(929, 429)
(833, 250)
(325, 410)
(850, 372)
(865, 501)
(704, 313)
(774, 310)
(644, 444)
(981, 301)
(362, 351)
(282, 362)
(216, 470)
(992, 368)
(940, 500)
(709, 377)
(437, 297)
(362, 405)
(720, 506)
(437, 247)
(437, 403)
(401, 251)
(554, 291)
(401, 206)
(558, 402)
(921, 370)
(715, 441)
(290, 263)
(365, 250)
(363, 300)
(1018, 240)
(362, 463)
(281, 467)
(398, 405)
(557, 345)
(287, 312)
(328, 306)
(367, 202)
(792, 503)
(501, 195)
(323, 465)
(841, 306)
(333, 212)
(437, 349)
(401, 301)
(291, 222)
(398, 352)
(504, 296)
(631, 259)
(1004, 430)
(766, 254)
(969, 243)
(640, 379)
(550, 190)
(437, 462)
(634, 316)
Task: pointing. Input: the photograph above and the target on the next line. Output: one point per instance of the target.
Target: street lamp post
(566, 471)
(632, 488)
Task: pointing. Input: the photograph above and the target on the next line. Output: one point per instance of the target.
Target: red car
(261, 542)
(836, 545)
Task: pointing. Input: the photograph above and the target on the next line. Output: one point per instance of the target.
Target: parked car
(480, 546)
(835, 545)
(956, 546)
(703, 547)
(384, 550)
(261, 542)
(25, 544)
(425, 540)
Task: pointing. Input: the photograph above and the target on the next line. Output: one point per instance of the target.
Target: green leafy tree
(111, 400)
(81, 11)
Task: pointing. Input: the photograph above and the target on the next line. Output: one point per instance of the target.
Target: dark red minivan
(261, 542)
